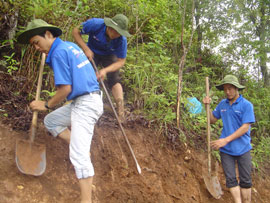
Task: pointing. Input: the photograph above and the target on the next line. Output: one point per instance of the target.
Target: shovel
(30, 156)
(210, 180)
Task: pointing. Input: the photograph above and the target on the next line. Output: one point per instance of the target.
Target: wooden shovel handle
(35, 113)
(208, 125)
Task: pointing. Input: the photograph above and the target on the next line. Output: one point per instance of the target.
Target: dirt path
(167, 176)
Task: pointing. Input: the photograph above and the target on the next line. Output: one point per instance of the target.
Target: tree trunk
(262, 51)
(199, 31)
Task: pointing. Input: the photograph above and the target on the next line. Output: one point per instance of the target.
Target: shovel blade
(212, 185)
(30, 157)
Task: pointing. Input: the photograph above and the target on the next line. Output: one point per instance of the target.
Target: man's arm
(61, 93)
(78, 38)
(213, 119)
(238, 133)
(111, 68)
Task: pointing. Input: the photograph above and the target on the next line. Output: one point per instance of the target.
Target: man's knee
(47, 122)
(52, 128)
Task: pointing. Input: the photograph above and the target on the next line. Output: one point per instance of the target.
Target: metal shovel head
(30, 157)
(213, 185)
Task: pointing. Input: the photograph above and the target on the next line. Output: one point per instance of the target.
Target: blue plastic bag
(194, 106)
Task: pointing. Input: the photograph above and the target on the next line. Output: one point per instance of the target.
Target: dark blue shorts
(104, 61)
(244, 168)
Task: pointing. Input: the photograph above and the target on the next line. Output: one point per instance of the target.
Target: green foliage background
(150, 76)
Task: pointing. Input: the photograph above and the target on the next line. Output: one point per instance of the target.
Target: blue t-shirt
(71, 67)
(233, 117)
(95, 28)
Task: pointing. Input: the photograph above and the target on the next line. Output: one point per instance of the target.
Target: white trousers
(81, 115)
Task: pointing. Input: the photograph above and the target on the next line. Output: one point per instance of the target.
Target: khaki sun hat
(36, 27)
(230, 79)
(120, 23)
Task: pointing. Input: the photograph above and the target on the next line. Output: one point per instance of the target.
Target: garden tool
(211, 181)
(30, 156)
(119, 122)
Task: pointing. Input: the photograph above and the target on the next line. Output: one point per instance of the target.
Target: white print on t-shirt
(83, 63)
(77, 53)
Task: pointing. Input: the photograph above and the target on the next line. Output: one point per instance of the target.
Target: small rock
(187, 158)
(93, 188)
(254, 189)
(20, 187)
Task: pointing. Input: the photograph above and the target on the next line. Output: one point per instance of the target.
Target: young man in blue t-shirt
(234, 143)
(75, 80)
(106, 46)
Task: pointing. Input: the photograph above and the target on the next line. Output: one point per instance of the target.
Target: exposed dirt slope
(169, 174)
(166, 176)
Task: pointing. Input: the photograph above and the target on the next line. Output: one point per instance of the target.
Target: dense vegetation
(201, 38)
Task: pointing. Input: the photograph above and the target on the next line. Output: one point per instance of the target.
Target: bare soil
(171, 170)
(168, 175)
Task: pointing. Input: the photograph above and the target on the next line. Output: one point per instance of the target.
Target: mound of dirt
(168, 174)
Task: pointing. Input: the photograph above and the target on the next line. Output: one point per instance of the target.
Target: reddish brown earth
(171, 170)
(167, 176)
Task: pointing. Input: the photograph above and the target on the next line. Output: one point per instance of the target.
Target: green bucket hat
(120, 23)
(230, 79)
(36, 27)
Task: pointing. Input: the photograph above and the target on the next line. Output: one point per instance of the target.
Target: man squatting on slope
(234, 143)
(107, 46)
(75, 80)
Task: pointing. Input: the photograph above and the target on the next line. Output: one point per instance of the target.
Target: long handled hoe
(121, 127)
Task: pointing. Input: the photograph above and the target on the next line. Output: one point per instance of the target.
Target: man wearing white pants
(82, 115)
(75, 80)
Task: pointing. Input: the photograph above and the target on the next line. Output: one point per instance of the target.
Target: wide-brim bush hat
(230, 79)
(120, 23)
(37, 27)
